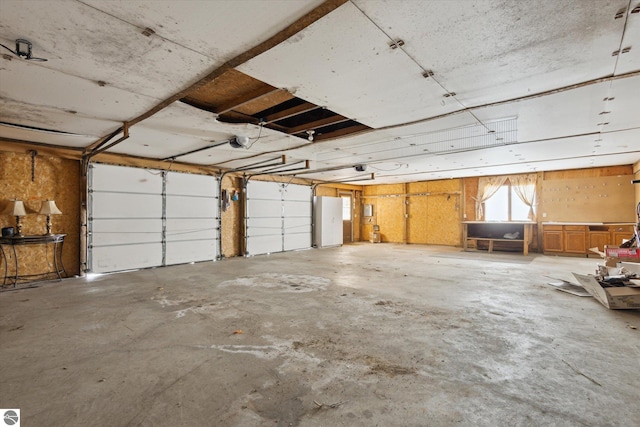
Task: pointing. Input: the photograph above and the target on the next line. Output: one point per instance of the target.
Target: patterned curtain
(487, 187)
(525, 188)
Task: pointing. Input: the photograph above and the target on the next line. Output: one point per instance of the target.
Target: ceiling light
(239, 141)
(23, 50)
(310, 132)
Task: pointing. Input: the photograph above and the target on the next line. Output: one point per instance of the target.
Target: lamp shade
(15, 208)
(49, 207)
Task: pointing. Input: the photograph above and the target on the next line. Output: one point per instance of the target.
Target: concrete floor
(362, 335)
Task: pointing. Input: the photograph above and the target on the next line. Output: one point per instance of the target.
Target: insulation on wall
(53, 179)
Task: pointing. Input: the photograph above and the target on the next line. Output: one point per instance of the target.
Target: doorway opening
(347, 217)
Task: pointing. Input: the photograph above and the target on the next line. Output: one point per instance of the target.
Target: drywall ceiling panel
(344, 62)
(47, 137)
(492, 50)
(624, 108)
(55, 119)
(563, 114)
(629, 60)
(81, 40)
(30, 83)
(218, 29)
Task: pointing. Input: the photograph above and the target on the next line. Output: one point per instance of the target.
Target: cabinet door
(599, 239)
(575, 241)
(618, 233)
(552, 240)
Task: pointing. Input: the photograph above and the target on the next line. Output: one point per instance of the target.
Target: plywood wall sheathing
(433, 208)
(326, 191)
(55, 179)
(590, 199)
(232, 229)
(589, 173)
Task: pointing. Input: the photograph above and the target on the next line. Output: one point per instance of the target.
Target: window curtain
(487, 187)
(525, 188)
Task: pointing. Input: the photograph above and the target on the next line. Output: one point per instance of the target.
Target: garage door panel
(264, 227)
(297, 224)
(126, 231)
(127, 257)
(191, 251)
(297, 241)
(264, 208)
(297, 192)
(184, 184)
(264, 190)
(191, 229)
(191, 207)
(257, 245)
(119, 205)
(125, 179)
(297, 208)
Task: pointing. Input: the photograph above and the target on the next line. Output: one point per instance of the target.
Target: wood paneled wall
(419, 212)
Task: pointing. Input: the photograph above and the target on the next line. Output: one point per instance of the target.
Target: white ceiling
(543, 68)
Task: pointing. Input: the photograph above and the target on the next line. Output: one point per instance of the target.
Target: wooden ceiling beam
(342, 132)
(247, 98)
(291, 112)
(327, 121)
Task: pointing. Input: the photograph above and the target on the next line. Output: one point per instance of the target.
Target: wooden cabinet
(574, 239)
(621, 232)
(599, 238)
(552, 238)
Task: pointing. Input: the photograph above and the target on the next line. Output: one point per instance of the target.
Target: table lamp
(16, 208)
(49, 208)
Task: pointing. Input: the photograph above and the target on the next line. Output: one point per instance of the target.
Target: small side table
(56, 240)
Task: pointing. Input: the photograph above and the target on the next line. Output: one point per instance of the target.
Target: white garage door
(278, 217)
(141, 218)
(297, 209)
(191, 212)
(125, 218)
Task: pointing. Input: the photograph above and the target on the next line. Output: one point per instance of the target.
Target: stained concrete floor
(362, 335)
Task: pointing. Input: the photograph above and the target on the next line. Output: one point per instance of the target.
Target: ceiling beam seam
(125, 131)
(505, 164)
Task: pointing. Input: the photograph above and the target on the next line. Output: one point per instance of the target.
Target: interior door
(347, 217)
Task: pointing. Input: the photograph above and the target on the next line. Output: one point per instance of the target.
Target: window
(505, 205)
(346, 208)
